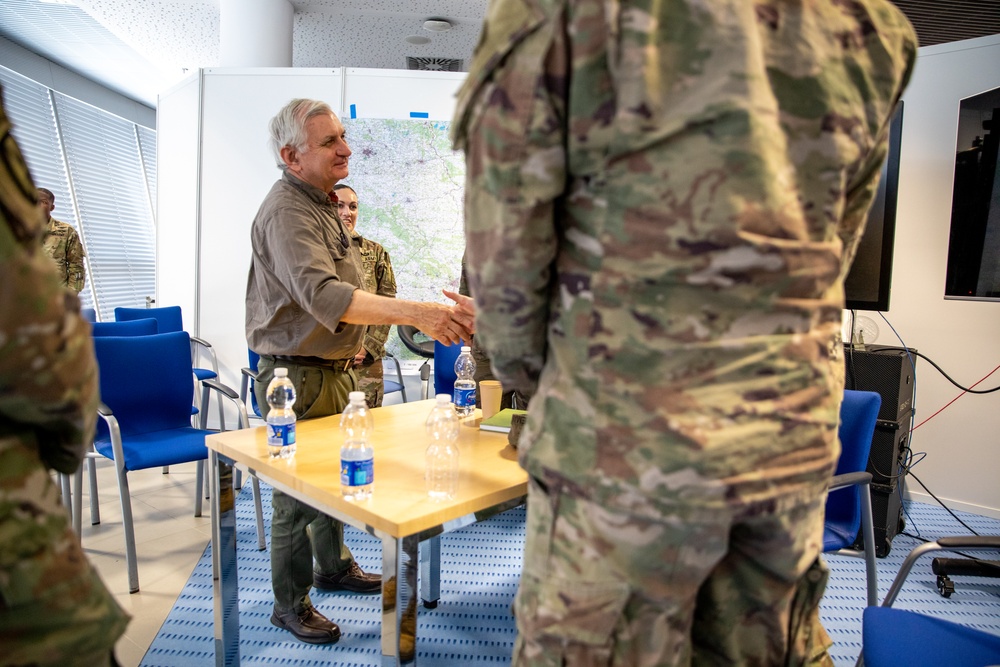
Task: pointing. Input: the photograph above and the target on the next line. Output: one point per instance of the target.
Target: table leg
(225, 592)
(430, 571)
(399, 592)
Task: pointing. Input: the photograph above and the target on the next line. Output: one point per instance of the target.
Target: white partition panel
(237, 170)
(177, 139)
(398, 94)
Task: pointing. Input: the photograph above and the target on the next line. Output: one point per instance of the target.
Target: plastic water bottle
(441, 474)
(465, 383)
(280, 418)
(357, 458)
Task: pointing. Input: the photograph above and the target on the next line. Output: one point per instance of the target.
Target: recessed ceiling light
(418, 39)
(437, 25)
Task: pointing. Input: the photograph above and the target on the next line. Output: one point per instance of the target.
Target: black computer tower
(890, 450)
(887, 515)
(887, 371)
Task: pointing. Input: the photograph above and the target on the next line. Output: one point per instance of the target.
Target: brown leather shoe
(352, 579)
(309, 626)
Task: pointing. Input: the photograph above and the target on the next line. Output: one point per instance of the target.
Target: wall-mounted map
(410, 187)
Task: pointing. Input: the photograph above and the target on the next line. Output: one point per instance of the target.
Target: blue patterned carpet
(480, 565)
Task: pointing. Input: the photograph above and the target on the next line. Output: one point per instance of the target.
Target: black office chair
(421, 344)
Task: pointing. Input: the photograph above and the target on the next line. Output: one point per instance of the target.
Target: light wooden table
(399, 512)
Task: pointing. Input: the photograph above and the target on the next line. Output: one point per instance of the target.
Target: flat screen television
(868, 283)
(973, 271)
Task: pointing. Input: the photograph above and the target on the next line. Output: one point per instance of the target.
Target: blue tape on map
(354, 111)
(419, 114)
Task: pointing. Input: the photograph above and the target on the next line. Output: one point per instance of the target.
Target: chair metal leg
(199, 477)
(868, 531)
(203, 481)
(77, 494)
(66, 491)
(131, 559)
(95, 502)
(425, 380)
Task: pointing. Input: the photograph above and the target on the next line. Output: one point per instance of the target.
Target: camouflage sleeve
(48, 379)
(863, 188)
(74, 262)
(385, 280)
(510, 122)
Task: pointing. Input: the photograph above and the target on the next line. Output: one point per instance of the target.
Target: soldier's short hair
(288, 127)
(48, 193)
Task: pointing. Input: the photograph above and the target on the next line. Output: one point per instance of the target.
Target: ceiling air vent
(434, 64)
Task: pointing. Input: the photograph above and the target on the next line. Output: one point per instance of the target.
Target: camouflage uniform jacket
(378, 279)
(661, 201)
(62, 243)
(53, 607)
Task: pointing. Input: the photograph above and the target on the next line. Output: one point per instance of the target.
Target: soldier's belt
(339, 365)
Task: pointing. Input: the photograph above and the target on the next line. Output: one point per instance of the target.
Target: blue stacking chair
(392, 386)
(144, 327)
(89, 314)
(893, 637)
(170, 318)
(145, 415)
(247, 383)
(849, 505)
(444, 367)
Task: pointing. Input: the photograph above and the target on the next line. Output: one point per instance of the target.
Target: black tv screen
(973, 271)
(868, 283)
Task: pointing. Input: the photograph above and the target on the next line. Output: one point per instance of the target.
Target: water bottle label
(357, 473)
(281, 435)
(464, 398)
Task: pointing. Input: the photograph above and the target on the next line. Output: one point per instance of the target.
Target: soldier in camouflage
(54, 609)
(378, 279)
(662, 199)
(62, 244)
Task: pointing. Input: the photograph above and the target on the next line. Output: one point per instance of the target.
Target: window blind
(103, 156)
(29, 108)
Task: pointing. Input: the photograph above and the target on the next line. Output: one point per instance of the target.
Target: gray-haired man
(304, 311)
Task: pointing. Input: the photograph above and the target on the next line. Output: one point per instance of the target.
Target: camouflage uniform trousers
(602, 587)
(371, 381)
(54, 608)
(299, 532)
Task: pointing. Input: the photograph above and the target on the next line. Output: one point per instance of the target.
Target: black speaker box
(888, 452)
(886, 371)
(887, 515)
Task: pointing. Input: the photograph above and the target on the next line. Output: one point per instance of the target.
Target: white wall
(962, 443)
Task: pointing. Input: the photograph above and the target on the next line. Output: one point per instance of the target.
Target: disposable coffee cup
(490, 392)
